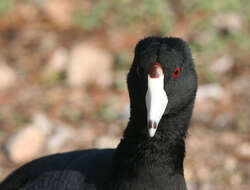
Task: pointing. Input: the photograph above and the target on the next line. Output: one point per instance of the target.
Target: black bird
(162, 85)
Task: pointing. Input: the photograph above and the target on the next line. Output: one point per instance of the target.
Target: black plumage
(139, 162)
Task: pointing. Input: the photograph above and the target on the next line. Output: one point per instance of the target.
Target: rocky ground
(63, 83)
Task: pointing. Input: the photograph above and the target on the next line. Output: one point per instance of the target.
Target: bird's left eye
(177, 72)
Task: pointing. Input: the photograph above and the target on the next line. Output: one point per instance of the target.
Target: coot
(162, 85)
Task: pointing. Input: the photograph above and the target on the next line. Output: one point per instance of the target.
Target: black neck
(141, 158)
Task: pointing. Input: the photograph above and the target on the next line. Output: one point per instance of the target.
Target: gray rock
(89, 65)
(222, 64)
(86, 135)
(57, 63)
(192, 185)
(26, 144)
(124, 113)
(7, 76)
(223, 121)
(209, 185)
(230, 164)
(60, 136)
(244, 150)
(229, 139)
(231, 22)
(206, 101)
(107, 142)
(205, 37)
(212, 91)
(48, 43)
(60, 11)
(42, 122)
(115, 129)
(29, 141)
(239, 86)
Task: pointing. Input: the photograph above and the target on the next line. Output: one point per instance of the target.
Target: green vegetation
(159, 17)
(5, 5)
(54, 78)
(18, 119)
(107, 111)
(213, 6)
(94, 18)
(126, 13)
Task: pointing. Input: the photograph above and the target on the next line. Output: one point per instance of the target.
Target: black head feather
(171, 53)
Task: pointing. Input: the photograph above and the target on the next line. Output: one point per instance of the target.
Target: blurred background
(63, 66)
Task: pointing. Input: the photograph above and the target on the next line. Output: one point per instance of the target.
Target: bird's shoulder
(63, 169)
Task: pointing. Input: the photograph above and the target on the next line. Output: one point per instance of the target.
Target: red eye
(177, 72)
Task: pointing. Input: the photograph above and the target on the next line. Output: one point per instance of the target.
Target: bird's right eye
(177, 72)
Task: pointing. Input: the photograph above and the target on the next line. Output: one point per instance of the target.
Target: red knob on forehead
(156, 70)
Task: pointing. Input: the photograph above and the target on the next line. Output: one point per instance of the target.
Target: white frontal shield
(156, 98)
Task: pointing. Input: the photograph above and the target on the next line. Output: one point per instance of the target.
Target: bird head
(162, 80)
